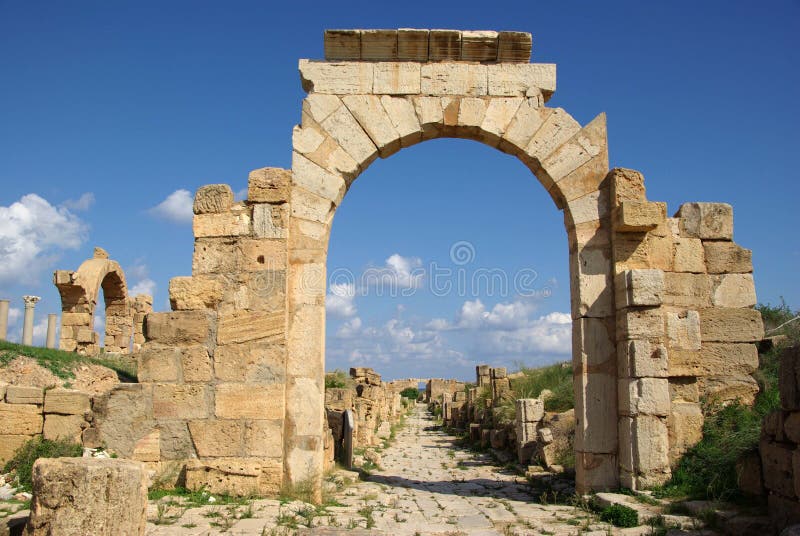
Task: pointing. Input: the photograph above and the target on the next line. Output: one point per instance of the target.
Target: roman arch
(662, 307)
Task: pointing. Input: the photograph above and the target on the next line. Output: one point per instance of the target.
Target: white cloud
(145, 286)
(82, 204)
(340, 300)
(349, 329)
(99, 322)
(32, 232)
(138, 275)
(504, 316)
(399, 273)
(176, 207)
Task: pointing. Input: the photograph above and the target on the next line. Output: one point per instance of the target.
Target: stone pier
(27, 325)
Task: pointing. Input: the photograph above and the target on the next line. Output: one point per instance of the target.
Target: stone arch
(356, 112)
(79, 292)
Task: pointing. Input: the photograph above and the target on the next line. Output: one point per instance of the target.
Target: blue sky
(110, 109)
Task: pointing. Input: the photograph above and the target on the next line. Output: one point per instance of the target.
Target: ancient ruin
(232, 379)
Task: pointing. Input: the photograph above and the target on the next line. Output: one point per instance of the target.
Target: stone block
(412, 44)
(650, 440)
(181, 401)
(783, 512)
(378, 45)
(727, 258)
(158, 364)
(683, 330)
(319, 181)
(75, 319)
(64, 427)
(66, 402)
(22, 394)
(639, 288)
(687, 290)
(195, 364)
(685, 425)
(715, 359)
(646, 396)
(776, 463)
(638, 216)
(789, 378)
(731, 325)
(478, 45)
(244, 326)
(397, 78)
(336, 78)
(20, 419)
(596, 429)
(369, 112)
(529, 410)
(213, 198)
(249, 401)
(726, 389)
(264, 438)
(235, 222)
(595, 471)
(345, 130)
(748, 471)
(236, 476)
(342, 44)
(404, 119)
(269, 221)
(734, 290)
(9, 444)
(454, 79)
(444, 45)
(689, 255)
(641, 358)
(514, 47)
(194, 292)
(684, 390)
(217, 438)
(269, 185)
(709, 221)
(640, 324)
(250, 362)
(77, 496)
(521, 79)
(178, 327)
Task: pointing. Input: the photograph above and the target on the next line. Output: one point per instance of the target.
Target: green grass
(620, 516)
(555, 378)
(62, 364)
(195, 497)
(22, 462)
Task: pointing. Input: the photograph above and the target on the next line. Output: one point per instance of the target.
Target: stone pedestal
(79, 496)
(27, 325)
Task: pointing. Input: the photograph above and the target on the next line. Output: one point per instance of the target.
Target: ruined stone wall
(438, 390)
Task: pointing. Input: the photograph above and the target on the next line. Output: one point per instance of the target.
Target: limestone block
(640, 324)
(269, 221)
(345, 130)
(397, 78)
(783, 512)
(527, 121)
(310, 140)
(650, 440)
(217, 438)
(638, 216)
(498, 116)
(725, 389)
(444, 45)
(580, 165)
(715, 359)
(683, 330)
(64, 427)
(306, 338)
(243, 326)
(195, 364)
(643, 250)
(66, 402)
(181, 401)
(257, 361)
(260, 255)
(731, 325)
(471, 112)
(595, 471)
(734, 290)
(789, 378)
(22, 394)
(791, 427)
(369, 112)
(337, 78)
(342, 44)
(521, 79)
(639, 287)
(75, 319)
(689, 255)
(233, 223)
(687, 290)
(213, 198)
(514, 47)
(378, 44)
(590, 207)
(556, 129)
(710, 221)
(648, 396)
(626, 185)
(86, 335)
(727, 257)
(178, 327)
(303, 396)
(175, 442)
(592, 345)
(9, 444)
(147, 448)
(596, 428)
(317, 180)
(194, 292)
(269, 185)
(249, 401)
(412, 44)
(20, 419)
(264, 438)
(158, 364)
(529, 410)
(404, 119)
(776, 462)
(685, 425)
(236, 476)
(3, 387)
(641, 358)
(453, 78)
(684, 390)
(98, 496)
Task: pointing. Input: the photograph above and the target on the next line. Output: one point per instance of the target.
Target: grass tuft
(22, 462)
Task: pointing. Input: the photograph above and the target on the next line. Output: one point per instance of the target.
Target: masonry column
(51, 331)
(27, 325)
(3, 319)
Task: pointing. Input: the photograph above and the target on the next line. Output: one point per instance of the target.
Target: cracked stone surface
(426, 485)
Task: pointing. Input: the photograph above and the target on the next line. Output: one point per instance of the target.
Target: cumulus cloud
(177, 207)
(141, 283)
(398, 274)
(32, 234)
(145, 286)
(340, 300)
(82, 204)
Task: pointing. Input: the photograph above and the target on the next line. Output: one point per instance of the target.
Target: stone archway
(79, 292)
(662, 308)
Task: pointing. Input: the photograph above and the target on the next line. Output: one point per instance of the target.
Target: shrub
(336, 379)
(410, 392)
(22, 462)
(556, 378)
(620, 516)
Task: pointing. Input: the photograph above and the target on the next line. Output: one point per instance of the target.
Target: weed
(22, 462)
(620, 516)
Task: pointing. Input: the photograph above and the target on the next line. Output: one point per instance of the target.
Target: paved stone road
(425, 486)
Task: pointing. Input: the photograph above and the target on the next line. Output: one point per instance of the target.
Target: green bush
(22, 462)
(556, 378)
(410, 392)
(337, 379)
(620, 516)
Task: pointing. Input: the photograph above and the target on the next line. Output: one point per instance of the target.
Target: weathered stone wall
(28, 412)
(438, 390)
